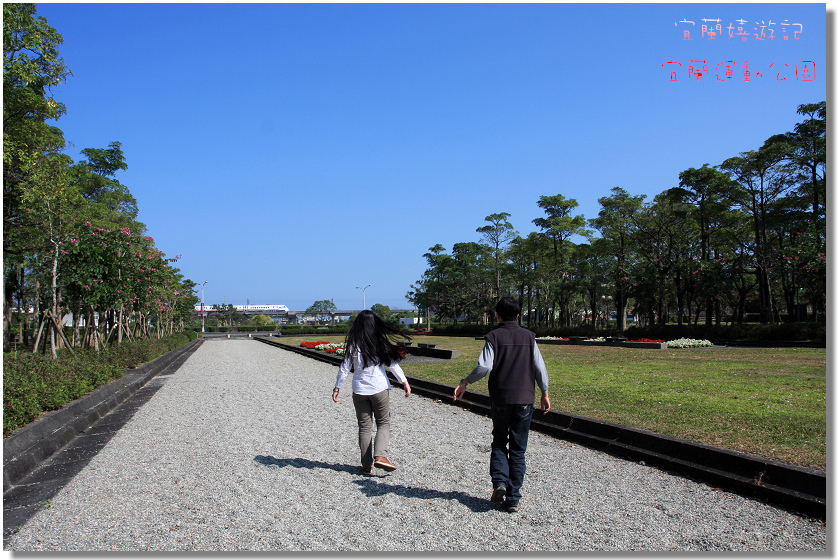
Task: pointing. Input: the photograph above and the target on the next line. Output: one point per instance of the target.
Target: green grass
(766, 401)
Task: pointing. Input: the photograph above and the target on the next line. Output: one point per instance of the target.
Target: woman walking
(369, 349)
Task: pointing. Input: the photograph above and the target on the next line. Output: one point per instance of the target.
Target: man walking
(514, 362)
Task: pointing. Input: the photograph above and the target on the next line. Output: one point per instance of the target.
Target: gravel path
(242, 449)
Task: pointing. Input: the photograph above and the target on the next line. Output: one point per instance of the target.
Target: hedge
(241, 328)
(36, 383)
(793, 332)
(292, 330)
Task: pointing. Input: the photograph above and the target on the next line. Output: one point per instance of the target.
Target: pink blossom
(74, 242)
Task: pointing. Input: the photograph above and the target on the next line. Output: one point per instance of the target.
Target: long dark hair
(373, 338)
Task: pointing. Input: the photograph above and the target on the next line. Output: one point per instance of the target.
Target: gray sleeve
(485, 364)
(540, 372)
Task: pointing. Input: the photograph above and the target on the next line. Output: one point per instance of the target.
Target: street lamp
(364, 301)
(202, 306)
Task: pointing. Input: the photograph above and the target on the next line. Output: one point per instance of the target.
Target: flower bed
(312, 345)
(689, 343)
(323, 346)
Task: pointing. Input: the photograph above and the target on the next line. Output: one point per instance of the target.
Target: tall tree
(558, 226)
(31, 145)
(110, 201)
(498, 235)
(760, 181)
(707, 191)
(615, 222)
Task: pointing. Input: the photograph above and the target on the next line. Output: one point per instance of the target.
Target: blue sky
(292, 152)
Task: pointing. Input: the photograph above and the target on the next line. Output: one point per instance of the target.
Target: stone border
(28, 447)
(792, 487)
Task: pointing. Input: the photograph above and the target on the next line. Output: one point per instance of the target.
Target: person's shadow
(372, 487)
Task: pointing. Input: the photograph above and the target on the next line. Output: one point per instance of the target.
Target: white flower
(689, 343)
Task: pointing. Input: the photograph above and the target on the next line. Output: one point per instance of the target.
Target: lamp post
(364, 301)
(202, 306)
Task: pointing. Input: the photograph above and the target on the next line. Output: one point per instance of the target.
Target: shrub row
(294, 330)
(793, 332)
(242, 328)
(35, 383)
(797, 332)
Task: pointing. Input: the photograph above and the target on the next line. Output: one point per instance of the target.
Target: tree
(707, 191)
(760, 181)
(436, 281)
(559, 225)
(383, 311)
(498, 236)
(70, 236)
(262, 320)
(31, 66)
(471, 283)
(321, 309)
(111, 201)
(809, 155)
(615, 222)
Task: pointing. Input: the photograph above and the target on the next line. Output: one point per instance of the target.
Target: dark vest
(512, 377)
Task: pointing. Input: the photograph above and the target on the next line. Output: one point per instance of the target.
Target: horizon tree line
(745, 236)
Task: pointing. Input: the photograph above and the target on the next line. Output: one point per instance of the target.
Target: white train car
(256, 309)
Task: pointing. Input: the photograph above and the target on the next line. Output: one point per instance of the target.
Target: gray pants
(369, 407)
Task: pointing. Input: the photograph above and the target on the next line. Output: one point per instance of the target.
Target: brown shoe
(367, 470)
(385, 464)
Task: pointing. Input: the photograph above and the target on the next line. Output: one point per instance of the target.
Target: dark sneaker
(385, 464)
(367, 470)
(498, 493)
(511, 507)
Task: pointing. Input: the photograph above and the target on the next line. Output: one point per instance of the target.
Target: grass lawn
(765, 401)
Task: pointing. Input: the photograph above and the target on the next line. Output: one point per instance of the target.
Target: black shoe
(511, 507)
(498, 493)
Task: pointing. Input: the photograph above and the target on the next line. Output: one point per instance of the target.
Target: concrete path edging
(792, 487)
(28, 447)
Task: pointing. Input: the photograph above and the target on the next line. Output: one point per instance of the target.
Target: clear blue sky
(292, 152)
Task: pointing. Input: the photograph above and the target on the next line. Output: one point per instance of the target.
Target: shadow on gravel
(300, 463)
(373, 488)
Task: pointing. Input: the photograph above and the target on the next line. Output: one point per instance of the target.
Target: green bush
(745, 332)
(35, 383)
(785, 332)
(294, 330)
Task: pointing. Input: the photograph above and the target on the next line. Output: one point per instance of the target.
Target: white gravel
(243, 449)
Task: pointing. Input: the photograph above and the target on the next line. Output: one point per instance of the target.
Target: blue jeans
(511, 424)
